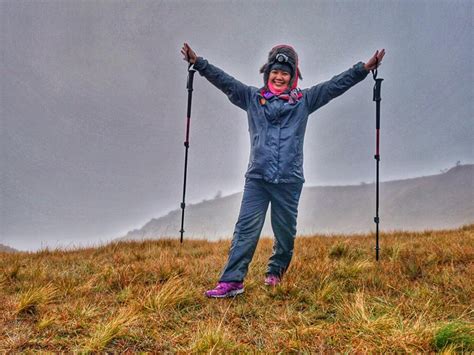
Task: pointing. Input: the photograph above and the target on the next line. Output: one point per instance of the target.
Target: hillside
(430, 202)
(148, 296)
(7, 249)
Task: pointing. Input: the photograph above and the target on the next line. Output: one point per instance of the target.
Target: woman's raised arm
(237, 92)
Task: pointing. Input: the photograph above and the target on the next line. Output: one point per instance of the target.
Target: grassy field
(148, 296)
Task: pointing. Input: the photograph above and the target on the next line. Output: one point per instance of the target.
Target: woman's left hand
(375, 61)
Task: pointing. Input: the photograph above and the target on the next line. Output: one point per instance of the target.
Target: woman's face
(280, 79)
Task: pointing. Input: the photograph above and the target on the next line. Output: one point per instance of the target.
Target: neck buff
(274, 90)
(270, 91)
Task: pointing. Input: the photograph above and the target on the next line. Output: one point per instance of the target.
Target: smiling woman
(279, 80)
(277, 116)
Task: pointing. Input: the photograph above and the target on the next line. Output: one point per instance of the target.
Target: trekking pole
(377, 99)
(189, 86)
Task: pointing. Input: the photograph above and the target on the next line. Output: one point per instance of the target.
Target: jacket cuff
(360, 71)
(200, 64)
(360, 67)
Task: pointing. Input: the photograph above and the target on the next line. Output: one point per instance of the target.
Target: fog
(93, 103)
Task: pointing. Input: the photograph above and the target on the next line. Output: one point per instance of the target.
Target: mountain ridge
(428, 202)
(7, 249)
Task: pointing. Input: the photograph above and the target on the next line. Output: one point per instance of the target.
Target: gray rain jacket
(277, 127)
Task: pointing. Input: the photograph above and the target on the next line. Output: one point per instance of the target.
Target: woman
(277, 116)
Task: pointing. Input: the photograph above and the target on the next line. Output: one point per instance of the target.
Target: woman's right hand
(188, 54)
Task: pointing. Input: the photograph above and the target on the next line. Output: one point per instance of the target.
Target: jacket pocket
(255, 140)
(253, 148)
(298, 160)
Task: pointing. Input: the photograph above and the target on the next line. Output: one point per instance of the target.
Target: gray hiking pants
(257, 195)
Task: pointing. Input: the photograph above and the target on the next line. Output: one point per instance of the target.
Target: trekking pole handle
(191, 71)
(378, 83)
(377, 89)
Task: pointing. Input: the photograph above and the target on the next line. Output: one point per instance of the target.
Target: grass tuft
(13, 271)
(45, 322)
(212, 342)
(3, 281)
(30, 300)
(172, 294)
(413, 268)
(111, 330)
(339, 250)
(457, 336)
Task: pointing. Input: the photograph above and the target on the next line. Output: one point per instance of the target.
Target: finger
(185, 57)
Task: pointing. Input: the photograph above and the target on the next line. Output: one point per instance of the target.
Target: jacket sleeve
(237, 92)
(319, 95)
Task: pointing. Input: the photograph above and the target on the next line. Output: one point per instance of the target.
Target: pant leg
(284, 212)
(247, 231)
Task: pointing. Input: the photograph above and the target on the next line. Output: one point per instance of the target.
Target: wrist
(200, 63)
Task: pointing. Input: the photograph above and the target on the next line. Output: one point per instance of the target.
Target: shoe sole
(229, 294)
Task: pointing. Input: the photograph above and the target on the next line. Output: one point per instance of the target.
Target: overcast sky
(93, 103)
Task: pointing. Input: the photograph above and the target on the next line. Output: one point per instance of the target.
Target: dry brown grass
(148, 296)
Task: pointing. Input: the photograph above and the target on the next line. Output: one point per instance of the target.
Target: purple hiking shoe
(226, 289)
(272, 280)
